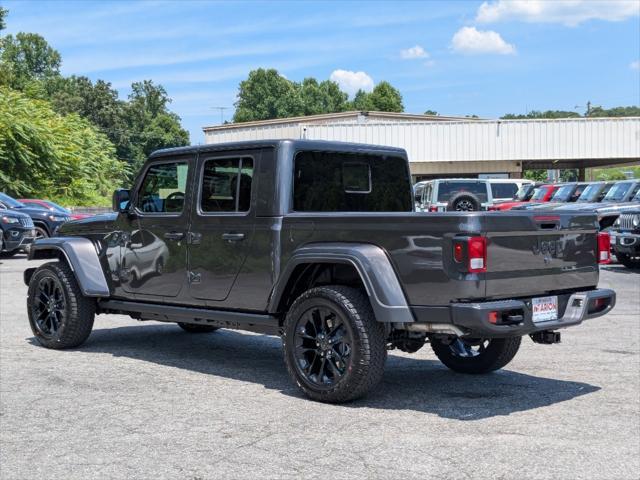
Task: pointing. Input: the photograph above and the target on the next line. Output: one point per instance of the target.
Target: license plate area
(544, 309)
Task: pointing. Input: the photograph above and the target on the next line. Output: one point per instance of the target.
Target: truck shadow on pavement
(408, 384)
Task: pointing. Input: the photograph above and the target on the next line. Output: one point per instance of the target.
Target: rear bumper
(473, 319)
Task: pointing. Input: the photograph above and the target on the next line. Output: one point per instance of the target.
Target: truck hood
(102, 223)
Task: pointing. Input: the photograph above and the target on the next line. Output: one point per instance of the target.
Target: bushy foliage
(266, 94)
(61, 157)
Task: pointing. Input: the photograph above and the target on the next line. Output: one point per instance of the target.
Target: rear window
(504, 190)
(446, 190)
(345, 182)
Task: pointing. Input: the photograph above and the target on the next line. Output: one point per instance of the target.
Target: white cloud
(414, 52)
(635, 65)
(472, 41)
(567, 12)
(350, 82)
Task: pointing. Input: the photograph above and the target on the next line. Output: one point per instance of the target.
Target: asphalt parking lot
(149, 401)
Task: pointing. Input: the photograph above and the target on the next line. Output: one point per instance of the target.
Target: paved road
(149, 401)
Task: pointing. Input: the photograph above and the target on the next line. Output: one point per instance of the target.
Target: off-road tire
(464, 197)
(192, 328)
(368, 351)
(79, 314)
(498, 353)
(629, 261)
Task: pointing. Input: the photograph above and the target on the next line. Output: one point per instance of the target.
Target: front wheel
(334, 348)
(629, 261)
(476, 355)
(59, 315)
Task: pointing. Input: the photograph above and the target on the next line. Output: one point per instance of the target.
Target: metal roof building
(451, 146)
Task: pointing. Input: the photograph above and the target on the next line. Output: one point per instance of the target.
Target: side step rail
(260, 323)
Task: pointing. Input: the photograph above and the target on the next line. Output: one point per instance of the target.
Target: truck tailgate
(541, 253)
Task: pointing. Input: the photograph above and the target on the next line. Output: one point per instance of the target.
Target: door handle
(175, 236)
(233, 237)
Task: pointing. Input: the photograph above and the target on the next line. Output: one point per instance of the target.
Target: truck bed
(528, 253)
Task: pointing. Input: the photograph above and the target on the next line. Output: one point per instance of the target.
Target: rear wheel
(629, 261)
(476, 355)
(191, 328)
(59, 315)
(334, 348)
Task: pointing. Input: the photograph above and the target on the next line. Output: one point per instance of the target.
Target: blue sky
(464, 57)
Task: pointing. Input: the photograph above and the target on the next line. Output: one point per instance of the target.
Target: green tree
(362, 101)
(632, 111)
(386, 98)
(3, 15)
(537, 114)
(27, 58)
(430, 112)
(537, 175)
(97, 102)
(323, 97)
(266, 94)
(45, 154)
(150, 124)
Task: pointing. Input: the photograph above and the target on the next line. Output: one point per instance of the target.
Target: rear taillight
(492, 208)
(471, 254)
(433, 208)
(604, 248)
(477, 248)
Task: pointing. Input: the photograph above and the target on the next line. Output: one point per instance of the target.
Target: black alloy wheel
(464, 205)
(41, 233)
(49, 306)
(323, 345)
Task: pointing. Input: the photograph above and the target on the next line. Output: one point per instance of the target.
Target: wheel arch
(42, 224)
(81, 256)
(366, 265)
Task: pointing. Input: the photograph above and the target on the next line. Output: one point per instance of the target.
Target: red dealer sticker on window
(545, 309)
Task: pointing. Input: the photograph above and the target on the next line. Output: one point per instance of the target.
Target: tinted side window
(504, 190)
(345, 182)
(226, 185)
(163, 188)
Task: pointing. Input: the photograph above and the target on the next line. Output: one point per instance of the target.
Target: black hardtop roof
(296, 144)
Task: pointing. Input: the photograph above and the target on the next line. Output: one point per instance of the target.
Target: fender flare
(82, 257)
(372, 264)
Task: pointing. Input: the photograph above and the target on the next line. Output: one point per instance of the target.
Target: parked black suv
(45, 222)
(318, 242)
(16, 232)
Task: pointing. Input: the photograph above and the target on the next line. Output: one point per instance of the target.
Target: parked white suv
(464, 194)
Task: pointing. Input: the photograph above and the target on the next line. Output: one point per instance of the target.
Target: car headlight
(635, 220)
(56, 218)
(6, 219)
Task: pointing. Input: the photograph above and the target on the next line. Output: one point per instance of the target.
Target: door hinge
(194, 238)
(194, 277)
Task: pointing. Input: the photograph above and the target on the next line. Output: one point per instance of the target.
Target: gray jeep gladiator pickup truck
(317, 242)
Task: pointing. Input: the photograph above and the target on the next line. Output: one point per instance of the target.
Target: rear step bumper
(510, 318)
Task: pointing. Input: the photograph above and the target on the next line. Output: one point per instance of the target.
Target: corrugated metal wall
(605, 138)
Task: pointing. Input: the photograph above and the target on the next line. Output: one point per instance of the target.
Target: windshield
(525, 192)
(636, 197)
(539, 193)
(10, 202)
(563, 194)
(590, 193)
(618, 192)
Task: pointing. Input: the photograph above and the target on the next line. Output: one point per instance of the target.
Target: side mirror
(120, 202)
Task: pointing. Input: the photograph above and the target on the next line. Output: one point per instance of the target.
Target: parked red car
(542, 193)
(53, 207)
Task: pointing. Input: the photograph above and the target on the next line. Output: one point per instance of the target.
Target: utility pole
(222, 109)
(588, 108)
